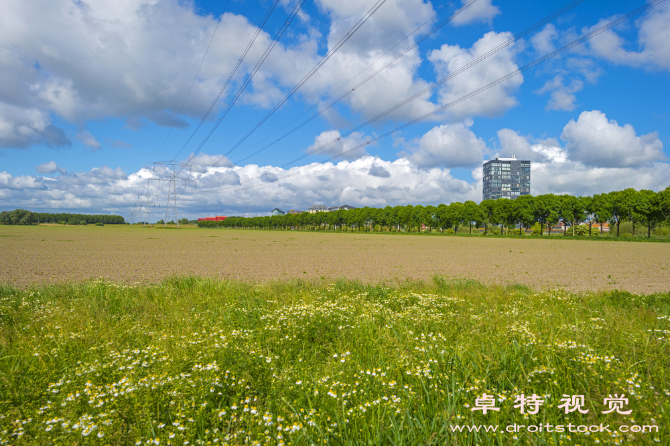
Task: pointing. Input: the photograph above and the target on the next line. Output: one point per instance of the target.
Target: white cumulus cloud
(50, 167)
(496, 100)
(449, 145)
(330, 143)
(562, 95)
(596, 141)
(543, 42)
(653, 37)
(23, 127)
(480, 11)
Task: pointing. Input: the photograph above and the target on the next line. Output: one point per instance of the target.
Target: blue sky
(89, 91)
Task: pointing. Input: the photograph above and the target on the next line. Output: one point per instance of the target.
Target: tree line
(24, 217)
(644, 208)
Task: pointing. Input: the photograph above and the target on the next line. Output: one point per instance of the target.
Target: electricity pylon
(171, 178)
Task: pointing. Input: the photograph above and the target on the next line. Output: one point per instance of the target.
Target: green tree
(443, 216)
(502, 212)
(663, 198)
(588, 204)
(470, 213)
(546, 210)
(456, 214)
(601, 207)
(648, 206)
(405, 216)
(572, 210)
(620, 204)
(486, 208)
(523, 211)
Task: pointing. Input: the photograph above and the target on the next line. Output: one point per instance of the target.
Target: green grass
(221, 362)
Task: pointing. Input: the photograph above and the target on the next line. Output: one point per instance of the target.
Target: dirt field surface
(48, 254)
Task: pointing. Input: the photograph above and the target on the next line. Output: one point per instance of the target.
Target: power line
(194, 79)
(348, 81)
(445, 79)
(498, 81)
(225, 85)
(172, 181)
(348, 92)
(491, 52)
(232, 73)
(265, 55)
(311, 73)
(172, 192)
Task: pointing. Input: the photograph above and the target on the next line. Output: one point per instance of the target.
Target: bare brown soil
(48, 254)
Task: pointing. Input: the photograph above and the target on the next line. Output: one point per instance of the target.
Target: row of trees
(642, 208)
(182, 221)
(24, 217)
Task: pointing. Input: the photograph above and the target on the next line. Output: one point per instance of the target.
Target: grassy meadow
(211, 362)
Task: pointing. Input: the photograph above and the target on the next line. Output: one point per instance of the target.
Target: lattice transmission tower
(167, 173)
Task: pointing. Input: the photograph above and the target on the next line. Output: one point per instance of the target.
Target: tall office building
(506, 178)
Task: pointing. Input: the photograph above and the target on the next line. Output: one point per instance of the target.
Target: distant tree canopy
(645, 208)
(24, 217)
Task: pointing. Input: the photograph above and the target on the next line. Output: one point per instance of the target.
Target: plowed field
(47, 254)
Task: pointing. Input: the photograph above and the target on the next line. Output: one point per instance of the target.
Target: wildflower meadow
(194, 361)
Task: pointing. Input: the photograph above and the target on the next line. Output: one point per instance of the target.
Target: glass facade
(506, 178)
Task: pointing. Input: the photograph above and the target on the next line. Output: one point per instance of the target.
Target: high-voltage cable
(316, 106)
(265, 55)
(431, 87)
(311, 73)
(341, 97)
(194, 79)
(230, 76)
(443, 80)
(498, 81)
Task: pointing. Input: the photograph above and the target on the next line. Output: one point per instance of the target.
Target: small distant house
(293, 211)
(277, 211)
(318, 208)
(596, 226)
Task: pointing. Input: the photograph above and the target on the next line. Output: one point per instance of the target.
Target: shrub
(83, 223)
(72, 222)
(494, 230)
(378, 228)
(581, 230)
(100, 224)
(536, 229)
(661, 231)
(624, 227)
(449, 231)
